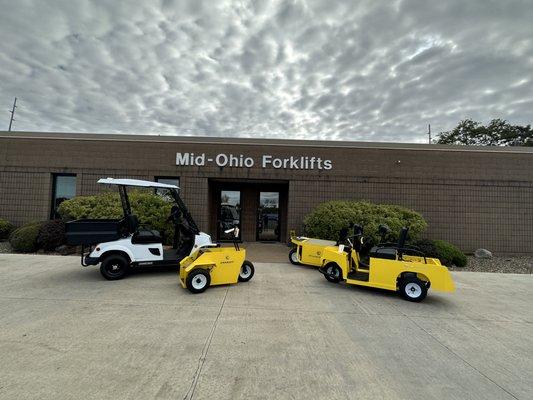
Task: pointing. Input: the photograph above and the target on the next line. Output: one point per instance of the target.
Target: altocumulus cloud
(316, 69)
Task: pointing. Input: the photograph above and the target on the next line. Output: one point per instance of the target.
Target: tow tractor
(120, 244)
(395, 267)
(209, 266)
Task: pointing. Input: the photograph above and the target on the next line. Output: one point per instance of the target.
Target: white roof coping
(136, 182)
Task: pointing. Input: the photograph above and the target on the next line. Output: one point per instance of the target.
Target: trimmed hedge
(328, 218)
(51, 235)
(446, 252)
(24, 239)
(151, 209)
(449, 254)
(5, 229)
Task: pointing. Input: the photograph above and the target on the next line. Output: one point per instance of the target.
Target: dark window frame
(157, 177)
(54, 184)
(257, 234)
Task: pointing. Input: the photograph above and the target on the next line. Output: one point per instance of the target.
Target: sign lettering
(242, 161)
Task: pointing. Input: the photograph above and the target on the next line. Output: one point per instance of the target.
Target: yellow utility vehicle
(308, 251)
(215, 265)
(395, 267)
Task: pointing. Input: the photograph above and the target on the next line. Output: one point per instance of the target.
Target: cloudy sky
(312, 69)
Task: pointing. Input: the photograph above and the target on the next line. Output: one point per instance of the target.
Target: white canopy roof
(136, 182)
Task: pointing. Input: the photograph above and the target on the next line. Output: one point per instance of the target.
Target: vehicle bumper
(91, 260)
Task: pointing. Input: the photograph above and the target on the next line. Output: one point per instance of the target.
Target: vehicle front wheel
(293, 256)
(413, 289)
(198, 281)
(247, 271)
(333, 273)
(114, 267)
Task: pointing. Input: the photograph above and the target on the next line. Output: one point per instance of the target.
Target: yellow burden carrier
(308, 251)
(395, 267)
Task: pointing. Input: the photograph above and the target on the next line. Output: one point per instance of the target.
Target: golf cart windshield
(172, 189)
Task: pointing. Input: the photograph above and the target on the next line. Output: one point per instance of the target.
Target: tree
(497, 133)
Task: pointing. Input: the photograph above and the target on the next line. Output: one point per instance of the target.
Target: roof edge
(253, 141)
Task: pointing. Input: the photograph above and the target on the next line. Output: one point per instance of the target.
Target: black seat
(132, 223)
(343, 236)
(146, 236)
(141, 235)
(389, 251)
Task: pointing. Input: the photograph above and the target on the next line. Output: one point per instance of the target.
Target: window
(170, 180)
(64, 188)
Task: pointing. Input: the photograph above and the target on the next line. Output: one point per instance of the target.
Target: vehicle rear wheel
(198, 281)
(115, 267)
(293, 256)
(413, 289)
(247, 271)
(333, 273)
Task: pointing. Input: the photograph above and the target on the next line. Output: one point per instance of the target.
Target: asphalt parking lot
(66, 333)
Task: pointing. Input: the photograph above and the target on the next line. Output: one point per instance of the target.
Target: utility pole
(429, 133)
(12, 114)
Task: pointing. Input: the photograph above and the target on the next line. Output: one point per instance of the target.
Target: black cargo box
(93, 231)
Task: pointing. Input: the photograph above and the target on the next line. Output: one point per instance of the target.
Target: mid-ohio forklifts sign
(242, 161)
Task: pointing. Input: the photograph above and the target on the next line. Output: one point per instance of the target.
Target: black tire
(247, 271)
(333, 273)
(198, 280)
(115, 267)
(293, 256)
(413, 289)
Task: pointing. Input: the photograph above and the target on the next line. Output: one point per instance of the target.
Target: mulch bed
(500, 264)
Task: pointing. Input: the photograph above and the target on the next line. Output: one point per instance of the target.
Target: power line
(12, 114)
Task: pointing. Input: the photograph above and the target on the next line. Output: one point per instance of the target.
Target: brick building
(471, 196)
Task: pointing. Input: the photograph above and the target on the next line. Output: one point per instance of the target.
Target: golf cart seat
(389, 251)
(141, 235)
(146, 236)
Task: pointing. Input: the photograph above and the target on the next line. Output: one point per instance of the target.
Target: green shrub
(51, 235)
(151, 209)
(427, 247)
(449, 254)
(24, 239)
(326, 220)
(5, 229)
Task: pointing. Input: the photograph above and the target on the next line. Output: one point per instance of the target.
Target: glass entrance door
(268, 216)
(229, 214)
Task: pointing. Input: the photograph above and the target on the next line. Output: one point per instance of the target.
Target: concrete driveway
(66, 333)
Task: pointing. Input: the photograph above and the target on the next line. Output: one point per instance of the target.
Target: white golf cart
(119, 244)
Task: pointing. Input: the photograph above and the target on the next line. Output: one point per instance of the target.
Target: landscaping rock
(65, 250)
(482, 253)
(506, 264)
(5, 247)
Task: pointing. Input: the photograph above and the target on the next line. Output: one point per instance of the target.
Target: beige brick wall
(471, 198)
